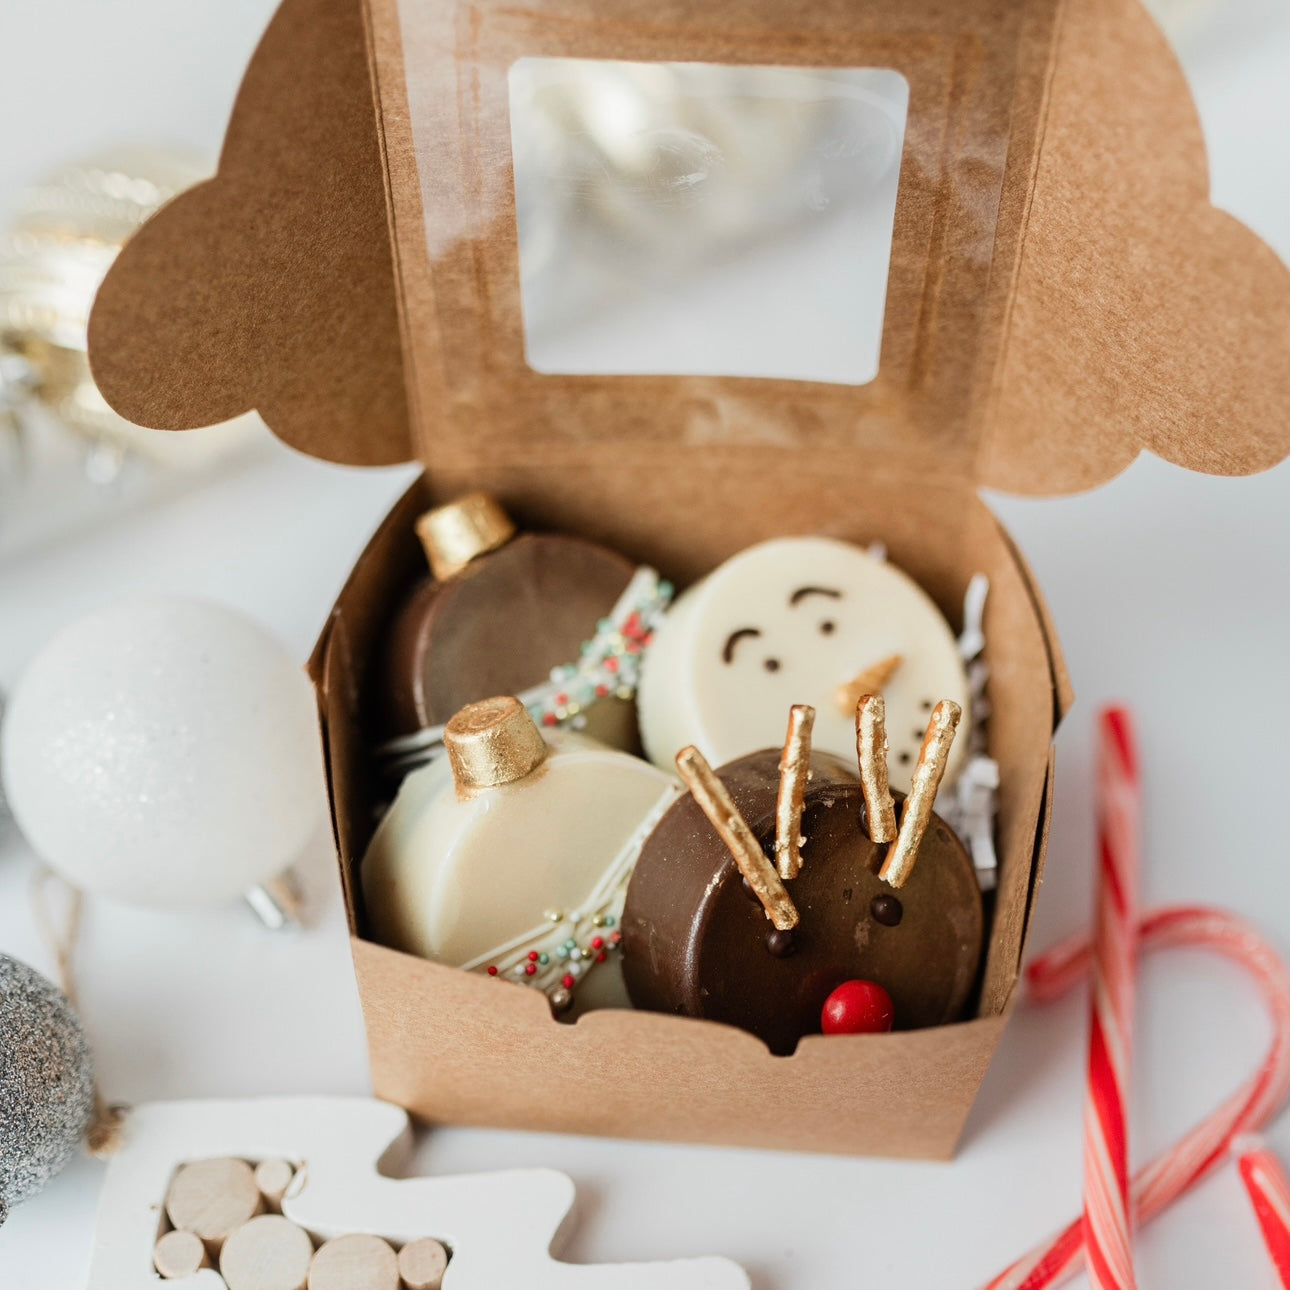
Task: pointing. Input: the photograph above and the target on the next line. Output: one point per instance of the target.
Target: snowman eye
(828, 627)
(771, 665)
(802, 592)
(728, 650)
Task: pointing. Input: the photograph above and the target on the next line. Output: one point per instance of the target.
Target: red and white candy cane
(1207, 1145)
(1269, 1192)
(1107, 1227)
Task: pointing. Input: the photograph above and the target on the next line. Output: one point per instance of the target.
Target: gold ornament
(458, 533)
(67, 231)
(492, 742)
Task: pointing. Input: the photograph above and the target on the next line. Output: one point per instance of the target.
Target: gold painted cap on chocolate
(455, 534)
(492, 742)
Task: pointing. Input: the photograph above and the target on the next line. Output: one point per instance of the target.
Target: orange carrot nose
(870, 681)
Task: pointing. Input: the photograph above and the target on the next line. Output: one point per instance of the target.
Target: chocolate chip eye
(780, 944)
(771, 665)
(886, 910)
(906, 758)
(926, 706)
(828, 627)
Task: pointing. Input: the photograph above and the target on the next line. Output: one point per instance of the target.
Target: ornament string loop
(61, 931)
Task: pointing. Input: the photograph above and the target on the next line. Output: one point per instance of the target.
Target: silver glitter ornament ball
(46, 1082)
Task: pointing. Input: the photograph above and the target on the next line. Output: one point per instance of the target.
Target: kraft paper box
(1060, 296)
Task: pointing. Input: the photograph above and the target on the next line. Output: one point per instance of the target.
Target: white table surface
(1161, 584)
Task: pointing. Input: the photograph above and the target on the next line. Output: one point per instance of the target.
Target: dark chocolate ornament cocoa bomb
(698, 942)
(502, 611)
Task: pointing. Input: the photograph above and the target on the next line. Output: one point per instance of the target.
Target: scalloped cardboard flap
(271, 286)
(1062, 294)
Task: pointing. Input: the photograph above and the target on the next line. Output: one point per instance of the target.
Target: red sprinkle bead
(611, 665)
(601, 691)
(602, 956)
(857, 1008)
(597, 942)
(562, 699)
(548, 718)
(533, 956)
(530, 969)
(615, 937)
(567, 981)
(492, 970)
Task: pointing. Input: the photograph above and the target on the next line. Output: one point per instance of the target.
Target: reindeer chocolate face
(797, 620)
(703, 940)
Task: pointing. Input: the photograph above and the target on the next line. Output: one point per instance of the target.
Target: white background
(1166, 589)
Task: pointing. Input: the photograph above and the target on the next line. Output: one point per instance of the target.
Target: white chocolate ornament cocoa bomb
(511, 855)
(797, 620)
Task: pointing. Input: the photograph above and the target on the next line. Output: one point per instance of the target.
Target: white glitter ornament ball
(164, 752)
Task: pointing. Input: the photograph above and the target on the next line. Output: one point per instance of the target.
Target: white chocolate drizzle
(563, 946)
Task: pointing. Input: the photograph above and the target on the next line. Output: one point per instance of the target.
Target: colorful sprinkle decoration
(610, 661)
(556, 955)
(558, 971)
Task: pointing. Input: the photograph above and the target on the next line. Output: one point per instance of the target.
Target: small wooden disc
(212, 1198)
(354, 1262)
(268, 1253)
(273, 1178)
(422, 1264)
(179, 1254)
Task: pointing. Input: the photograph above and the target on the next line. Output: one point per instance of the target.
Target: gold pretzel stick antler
(870, 681)
(794, 771)
(871, 749)
(715, 802)
(918, 805)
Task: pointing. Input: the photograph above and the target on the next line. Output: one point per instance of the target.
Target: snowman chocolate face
(797, 620)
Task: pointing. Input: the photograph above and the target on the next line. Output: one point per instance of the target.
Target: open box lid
(1061, 294)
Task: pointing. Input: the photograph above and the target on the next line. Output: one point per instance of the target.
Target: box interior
(920, 526)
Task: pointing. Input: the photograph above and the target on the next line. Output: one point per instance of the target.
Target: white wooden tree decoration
(500, 1228)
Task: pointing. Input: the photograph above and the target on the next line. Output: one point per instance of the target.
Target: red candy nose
(857, 1008)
